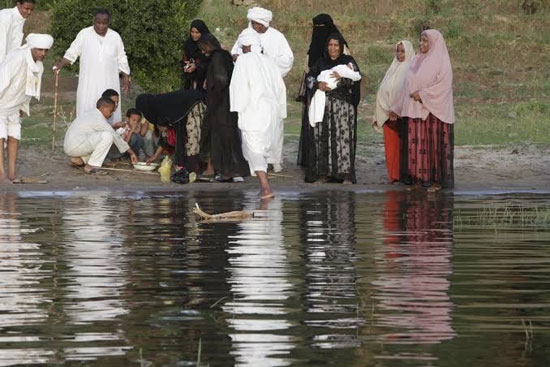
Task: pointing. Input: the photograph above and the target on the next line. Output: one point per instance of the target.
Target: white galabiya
(90, 138)
(21, 79)
(274, 45)
(11, 30)
(257, 92)
(101, 60)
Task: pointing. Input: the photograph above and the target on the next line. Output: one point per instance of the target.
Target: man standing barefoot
(20, 79)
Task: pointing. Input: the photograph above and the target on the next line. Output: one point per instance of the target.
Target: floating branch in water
(236, 215)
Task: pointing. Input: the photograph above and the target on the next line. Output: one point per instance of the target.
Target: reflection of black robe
(173, 108)
(221, 138)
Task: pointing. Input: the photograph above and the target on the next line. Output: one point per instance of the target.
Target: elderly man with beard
(275, 46)
(20, 80)
(257, 92)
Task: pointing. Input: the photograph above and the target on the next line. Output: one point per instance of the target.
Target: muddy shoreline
(477, 169)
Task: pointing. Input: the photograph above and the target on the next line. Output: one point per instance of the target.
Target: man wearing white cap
(12, 21)
(20, 79)
(257, 92)
(274, 45)
(102, 58)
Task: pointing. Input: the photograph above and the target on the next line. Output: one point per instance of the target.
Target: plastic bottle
(165, 169)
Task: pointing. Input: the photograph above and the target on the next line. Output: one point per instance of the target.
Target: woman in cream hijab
(395, 129)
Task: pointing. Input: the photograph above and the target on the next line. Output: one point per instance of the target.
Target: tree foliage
(153, 32)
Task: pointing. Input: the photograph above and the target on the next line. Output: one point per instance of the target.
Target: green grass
(499, 55)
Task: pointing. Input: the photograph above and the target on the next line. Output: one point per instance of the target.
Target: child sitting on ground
(133, 130)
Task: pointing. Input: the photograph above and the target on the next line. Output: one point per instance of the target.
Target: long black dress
(323, 27)
(221, 137)
(332, 142)
(184, 110)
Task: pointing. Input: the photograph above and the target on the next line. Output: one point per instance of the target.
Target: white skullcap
(249, 37)
(36, 40)
(260, 15)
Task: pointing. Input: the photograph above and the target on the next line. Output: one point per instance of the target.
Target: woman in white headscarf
(394, 128)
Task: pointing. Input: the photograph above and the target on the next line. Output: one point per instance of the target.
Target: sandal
(434, 188)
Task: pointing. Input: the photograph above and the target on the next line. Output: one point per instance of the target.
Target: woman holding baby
(332, 130)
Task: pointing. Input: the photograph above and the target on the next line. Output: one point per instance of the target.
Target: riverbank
(523, 167)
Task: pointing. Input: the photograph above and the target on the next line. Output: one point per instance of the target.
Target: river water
(314, 279)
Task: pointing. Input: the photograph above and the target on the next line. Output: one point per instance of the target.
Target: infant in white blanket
(317, 107)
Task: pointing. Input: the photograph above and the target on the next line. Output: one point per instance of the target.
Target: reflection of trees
(331, 297)
(413, 267)
(258, 275)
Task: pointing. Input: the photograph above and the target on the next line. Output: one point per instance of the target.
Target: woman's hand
(415, 96)
(324, 87)
(393, 116)
(335, 75)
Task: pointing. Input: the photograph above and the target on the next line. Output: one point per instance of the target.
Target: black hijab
(326, 63)
(190, 47)
(323, 26)
(167, 108)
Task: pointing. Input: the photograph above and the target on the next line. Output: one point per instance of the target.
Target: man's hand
(415, 96)
(60, 65)
(133, 157)
(324, 87)
(235, 57)
(393, 116)
(126, 81)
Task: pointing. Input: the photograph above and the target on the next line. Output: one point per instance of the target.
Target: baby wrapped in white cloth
(317, 107)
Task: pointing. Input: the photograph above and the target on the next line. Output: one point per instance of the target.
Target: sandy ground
(477, 169)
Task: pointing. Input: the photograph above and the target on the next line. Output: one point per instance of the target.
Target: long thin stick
(55, 108)
(129, 170)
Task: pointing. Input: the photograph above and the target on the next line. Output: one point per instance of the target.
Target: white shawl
(391, 85)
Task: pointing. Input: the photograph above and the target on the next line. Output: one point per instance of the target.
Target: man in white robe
(12, 21)
(102, 57)
(274, 45)
(90, 137)
(20, 79)
(257, 92)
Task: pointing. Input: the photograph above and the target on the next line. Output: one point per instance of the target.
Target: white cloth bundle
(316, 111)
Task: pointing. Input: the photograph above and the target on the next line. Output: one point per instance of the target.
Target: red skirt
(431, 148)
(395, 146)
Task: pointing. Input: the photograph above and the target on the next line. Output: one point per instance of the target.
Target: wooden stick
(222, 216)
(128, 170)
(278, 175)
(55, 95)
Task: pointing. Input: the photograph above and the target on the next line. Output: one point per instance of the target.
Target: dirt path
(525, 167)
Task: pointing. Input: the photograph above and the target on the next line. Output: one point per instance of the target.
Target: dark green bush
(152, 32)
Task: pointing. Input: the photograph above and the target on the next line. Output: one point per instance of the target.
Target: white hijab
(391, 85)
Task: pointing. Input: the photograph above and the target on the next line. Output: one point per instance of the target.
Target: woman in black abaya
(193, 62)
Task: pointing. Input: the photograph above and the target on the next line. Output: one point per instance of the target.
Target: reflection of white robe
(11, 31)
(101, 60)
(257, 92)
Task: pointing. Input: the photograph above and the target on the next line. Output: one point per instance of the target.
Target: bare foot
(77, 161)
(4, 178)
(266, 194)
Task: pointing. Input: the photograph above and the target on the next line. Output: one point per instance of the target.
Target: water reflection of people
(259, 274)
(413, 267)
(21, 293)
(331, 298)
(96, 260)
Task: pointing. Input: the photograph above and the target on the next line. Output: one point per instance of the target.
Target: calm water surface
(317, 279)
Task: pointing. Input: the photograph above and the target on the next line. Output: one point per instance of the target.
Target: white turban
(249, 37)
(36, 40)
(260, 15)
